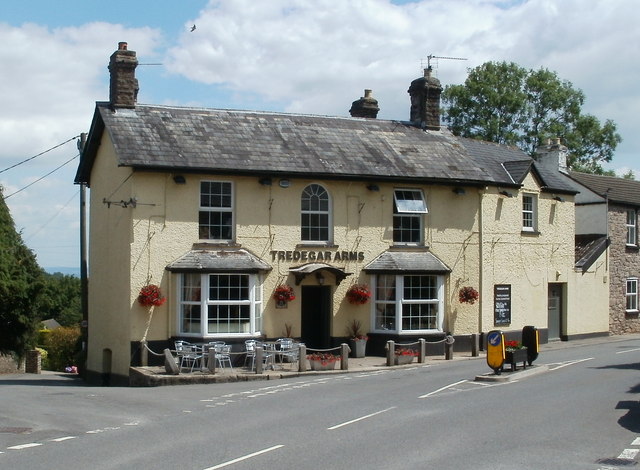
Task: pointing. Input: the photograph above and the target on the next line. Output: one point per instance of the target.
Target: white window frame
(221, 209)
(316, 190)
(398, 301)
(254, 302)
(530, 214)
(632, 227)
(411, 209)
(631, 294)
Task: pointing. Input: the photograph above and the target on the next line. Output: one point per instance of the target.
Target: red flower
(406, 352)
(358, 294)
(468, 295)
(151, 295)
(284, 293)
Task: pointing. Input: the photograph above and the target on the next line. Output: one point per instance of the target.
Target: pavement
(157, 376)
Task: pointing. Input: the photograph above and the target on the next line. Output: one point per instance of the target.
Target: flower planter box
(516, 356)
(404, 359)
(322, 365)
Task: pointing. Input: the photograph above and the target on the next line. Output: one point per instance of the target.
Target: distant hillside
(64, 270)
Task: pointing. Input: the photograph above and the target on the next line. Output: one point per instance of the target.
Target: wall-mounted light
(458, 190)
(266, 181)
(558, 198)
(179, 179)
(506, 193)
(320, 278)
(284, 183)
(373, 187)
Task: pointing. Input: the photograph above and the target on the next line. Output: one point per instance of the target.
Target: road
(582, 413)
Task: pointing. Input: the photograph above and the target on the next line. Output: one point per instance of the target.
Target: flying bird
(193, 28)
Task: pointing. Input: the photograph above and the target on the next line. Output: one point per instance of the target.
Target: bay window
(409, 303)
(220, 304)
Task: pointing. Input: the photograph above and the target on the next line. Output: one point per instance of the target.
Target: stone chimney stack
(123, 87)
(366, 107)
(425, 101)
(553, 155)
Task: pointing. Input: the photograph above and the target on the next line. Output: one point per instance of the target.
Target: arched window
(314, 216)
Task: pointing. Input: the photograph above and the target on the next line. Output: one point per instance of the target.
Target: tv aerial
(430, 57)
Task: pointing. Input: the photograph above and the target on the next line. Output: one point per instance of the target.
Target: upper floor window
(632, 295)
(529, 213)
(408, 207)
(220, 304)
(216, 210)
(315, 214)
(632, 227)
(409, 303)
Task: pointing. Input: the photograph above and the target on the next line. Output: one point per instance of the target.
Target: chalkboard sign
(502, 304)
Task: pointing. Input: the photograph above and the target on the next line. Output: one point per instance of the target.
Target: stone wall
(8, 365)
(624, 262)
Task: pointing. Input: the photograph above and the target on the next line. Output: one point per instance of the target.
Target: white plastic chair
(223, 355)
(250, 352)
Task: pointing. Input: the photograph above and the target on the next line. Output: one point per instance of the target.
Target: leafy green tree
(20, 288)
(505, 103)
(61, 299)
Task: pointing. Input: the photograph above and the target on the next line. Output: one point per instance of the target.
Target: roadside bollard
(422, 351)
(344, 356)
(475, 345)
(391, 353)
(259, 359)
(211, 360)
(302, 358)
(448, 348)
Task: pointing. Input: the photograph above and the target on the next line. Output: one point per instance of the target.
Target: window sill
(408, 247)
(316, 245)
(632, 313)
(632, 247)
(530, 233)
(204, 244)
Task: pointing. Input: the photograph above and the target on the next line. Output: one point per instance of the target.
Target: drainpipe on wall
(84, 278)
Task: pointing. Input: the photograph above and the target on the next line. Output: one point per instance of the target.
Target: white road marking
(60, 439)
(570, 363)
(25, 446)
(636, 442)
(629, 454)
(628, 350)
(240, 459)
(358, 419)
(442, 388)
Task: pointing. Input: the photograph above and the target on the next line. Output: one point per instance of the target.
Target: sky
(296, 56)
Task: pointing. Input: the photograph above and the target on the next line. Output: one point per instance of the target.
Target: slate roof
(209, 260)
(406, 262)
(588, 249)
(618, 190)
(168, 138)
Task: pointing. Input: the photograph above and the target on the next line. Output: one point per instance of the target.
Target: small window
(529, 212)
(216, 210)
(632, 295)
(632, 228)
(408, 207)
(315, 214)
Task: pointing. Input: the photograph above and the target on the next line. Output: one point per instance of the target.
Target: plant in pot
(358, 294)
(514, 352)
(283, 294)
(357, 339)
(405, 355)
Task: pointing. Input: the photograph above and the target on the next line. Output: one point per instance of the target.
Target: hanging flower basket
(358, 294)
(284, 293)
(151, 296)
(468, 295)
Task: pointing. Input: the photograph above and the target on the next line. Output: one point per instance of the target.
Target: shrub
(62, 346)
(44, 358)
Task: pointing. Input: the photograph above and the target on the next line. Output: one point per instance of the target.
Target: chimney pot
(122, 46)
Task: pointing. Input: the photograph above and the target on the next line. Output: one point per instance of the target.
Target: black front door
(316, 316)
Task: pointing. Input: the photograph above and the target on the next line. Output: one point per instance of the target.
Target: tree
(505, 103)
(61, 299)
(20, 288)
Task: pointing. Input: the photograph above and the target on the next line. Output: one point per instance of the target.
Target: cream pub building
(220, 207)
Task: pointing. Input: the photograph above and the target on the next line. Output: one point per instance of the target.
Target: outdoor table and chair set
(195, 356)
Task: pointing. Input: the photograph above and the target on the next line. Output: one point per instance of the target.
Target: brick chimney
(366, 106)
(553, 155)
(425, 101)
(123, 86)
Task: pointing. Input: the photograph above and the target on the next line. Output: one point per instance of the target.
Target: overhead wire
(40, 154)
(42, 177)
